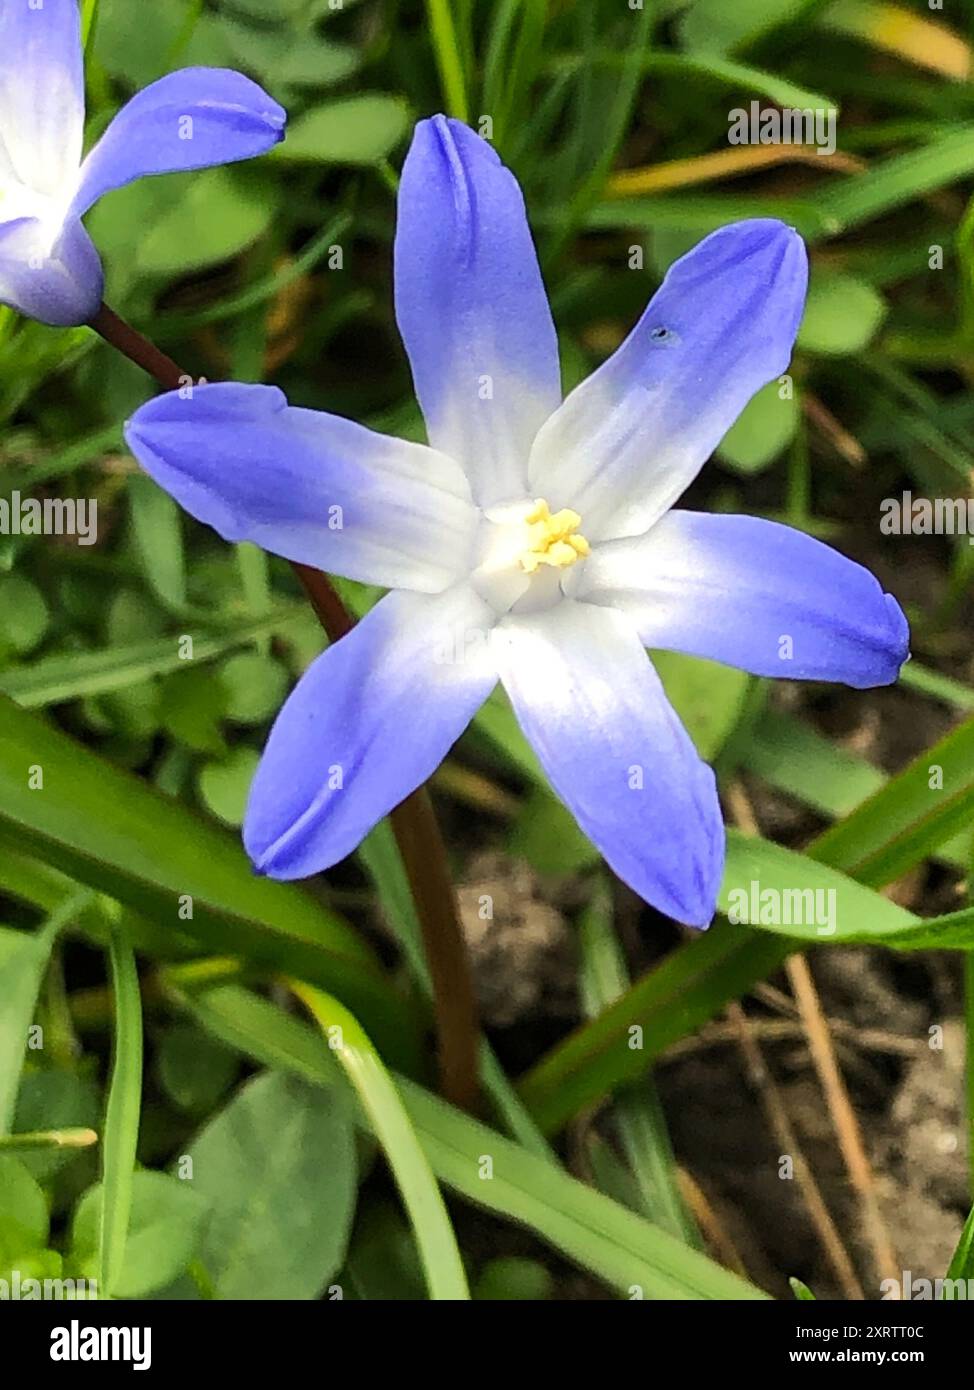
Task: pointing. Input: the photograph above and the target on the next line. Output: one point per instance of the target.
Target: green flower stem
(414, 821)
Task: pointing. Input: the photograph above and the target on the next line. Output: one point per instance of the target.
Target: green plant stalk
(121, 1128)
(381, 1102)
(413, 821)
(448, 58)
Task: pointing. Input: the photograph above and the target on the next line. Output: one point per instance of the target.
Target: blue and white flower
(192, 119)
(532, 542)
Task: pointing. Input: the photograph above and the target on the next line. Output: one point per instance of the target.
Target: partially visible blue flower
(49, 269)
(533, 542)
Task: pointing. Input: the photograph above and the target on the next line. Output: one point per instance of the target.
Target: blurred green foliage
(615, 117)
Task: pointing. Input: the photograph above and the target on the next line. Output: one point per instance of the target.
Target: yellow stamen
(552, 540)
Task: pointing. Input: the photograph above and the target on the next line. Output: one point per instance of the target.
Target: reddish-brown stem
(139, 350)
(414, 822)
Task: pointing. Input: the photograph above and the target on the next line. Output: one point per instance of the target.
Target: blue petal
(587, 697)
(309, 486)
(42, 94)
(368, 722)
(60, 286)
(753, 594)
(629, 439)
(472, 308)
(191, 119)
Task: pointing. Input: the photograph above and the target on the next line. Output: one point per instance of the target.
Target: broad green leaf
(287, 57)
(132, 42)
(132, 617)
(180, 223)
(762, 431)
(109, 830)
(277, 1167)
(255, 687)
(24, 615)
(192, 706)
(362, 129)
(706, 695)
(225, 785)
(195, 1069)
(842, 314)
(212, 218)
(23, 1209)
(164, 1233)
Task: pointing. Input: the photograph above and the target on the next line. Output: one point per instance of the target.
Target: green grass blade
(121, 1129)
(627, 1252)
(899, 180)
(638, 1112)
(895, 829)
(56, 679)
(23, 961)
(907, 818)
(449, 60)
(962, 1261)
(380, 1100)
(588, 1228)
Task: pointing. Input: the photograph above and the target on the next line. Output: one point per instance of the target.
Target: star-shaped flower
(532, 542)
(192, 119)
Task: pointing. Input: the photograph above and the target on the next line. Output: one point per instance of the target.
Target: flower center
(552, 540)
